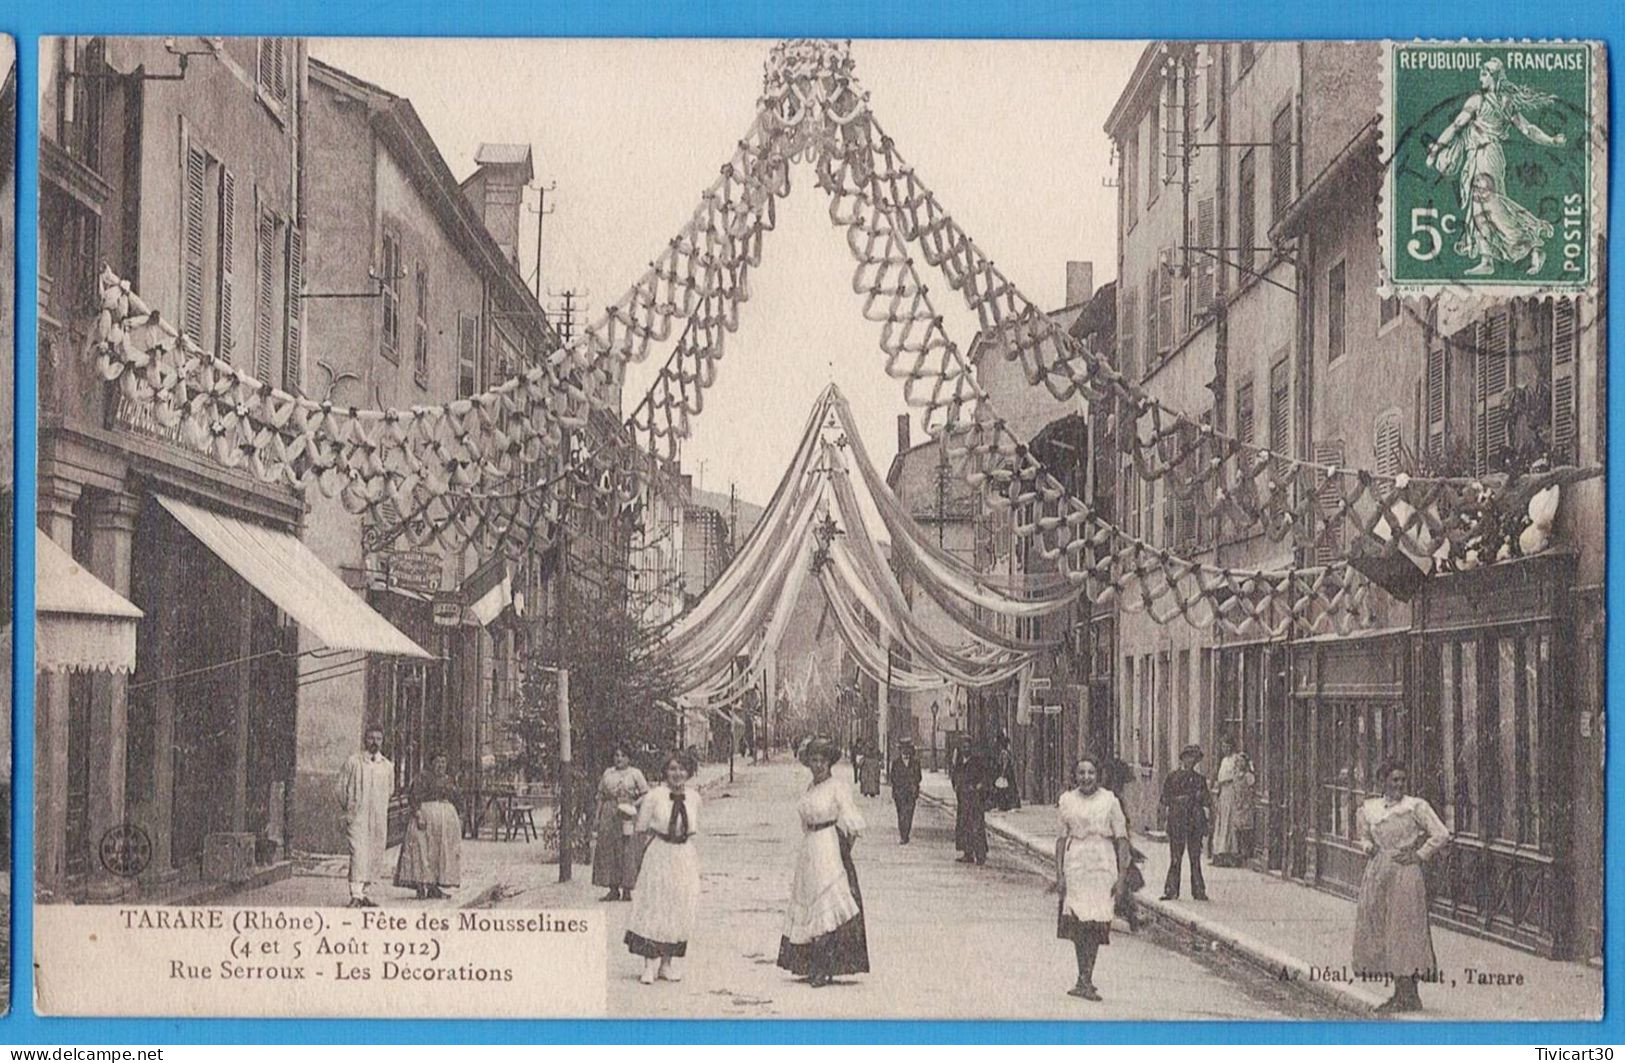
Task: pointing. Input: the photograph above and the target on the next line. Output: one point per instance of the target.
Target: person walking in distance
(1185, 805)
(905, 788)
(365, 785)
(971, 770)
(1391, 935)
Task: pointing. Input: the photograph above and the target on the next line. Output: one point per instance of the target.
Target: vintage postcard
(1143, 557)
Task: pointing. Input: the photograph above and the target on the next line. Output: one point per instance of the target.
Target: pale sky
(1008, 134)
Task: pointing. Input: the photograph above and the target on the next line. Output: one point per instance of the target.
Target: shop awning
(287, 572)
(82, 624)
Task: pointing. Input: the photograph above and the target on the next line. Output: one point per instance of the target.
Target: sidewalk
(487, 866)
(1303, 934)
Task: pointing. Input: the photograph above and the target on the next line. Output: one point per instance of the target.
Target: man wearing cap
(904, 776)
(1185, 804)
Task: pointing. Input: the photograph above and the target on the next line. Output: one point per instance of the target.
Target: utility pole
(566, 804)
(541, 211)
(566, 315)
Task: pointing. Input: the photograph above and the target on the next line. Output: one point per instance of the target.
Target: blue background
(29, 19)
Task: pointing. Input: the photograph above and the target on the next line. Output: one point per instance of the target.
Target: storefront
(1498, 747)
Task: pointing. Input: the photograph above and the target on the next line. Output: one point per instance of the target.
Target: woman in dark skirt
(1091, 860)
(823, 928)
(617, 846)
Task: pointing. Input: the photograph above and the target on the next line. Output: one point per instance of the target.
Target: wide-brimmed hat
(1192, 750)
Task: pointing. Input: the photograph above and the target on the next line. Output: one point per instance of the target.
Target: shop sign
(448, 610)
(412, 570)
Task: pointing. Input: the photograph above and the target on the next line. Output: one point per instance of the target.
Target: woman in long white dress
(824, 934)
(668, 894)
(1391, 935)
(1092, 856)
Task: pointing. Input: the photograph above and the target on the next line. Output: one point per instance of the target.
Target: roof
(1138, 88)
(402, 131)
(503, 155)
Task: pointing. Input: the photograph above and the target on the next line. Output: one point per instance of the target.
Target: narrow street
(945, 939)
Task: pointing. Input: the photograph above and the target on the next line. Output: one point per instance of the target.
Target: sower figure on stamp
(1494, 227)
(1185, 805)
(365, 786)
(905, 788)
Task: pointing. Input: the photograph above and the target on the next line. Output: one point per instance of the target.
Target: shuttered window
(391, 300)
(1492, 379)
(273, 67)
(1387, 443)
(225, 281)
(1165, 304)
(1246, 216)
(1244, 410)
(1565, 374)
(293, 310)
(420, 344)
(1128, 363)
(468, 354)
(1280, 404)
(194, 193)
(264, 293)
(1210, 109)
(1153, 149)
(1280, 163)
(1152, 340)
(1129, 180)
(1328, 499)
(1435, 398)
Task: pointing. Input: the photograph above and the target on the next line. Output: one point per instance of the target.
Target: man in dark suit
(1185, 806)
(904, 774)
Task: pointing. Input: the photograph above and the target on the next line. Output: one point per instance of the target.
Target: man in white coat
(365, 786)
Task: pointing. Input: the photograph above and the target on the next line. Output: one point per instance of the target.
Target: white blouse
(831, 800)
(1397, 826)
(654, 811)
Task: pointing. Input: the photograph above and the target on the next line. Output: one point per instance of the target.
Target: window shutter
(1280, 163)
(1246, 208)
(1565, 372)
(264, 278)
(1492, 381)
(1151, 342)
(1244, 411)
(294, 311)
(1387, 443)
(1328, 497)
(1165, 304)
(468, 353)
(228, 242)
(1435, 385)
(1127, 362)
(192, 242)
(1205, 263)
(279, 70)
(1280, 405)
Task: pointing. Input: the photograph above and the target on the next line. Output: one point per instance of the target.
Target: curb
(1260, 954)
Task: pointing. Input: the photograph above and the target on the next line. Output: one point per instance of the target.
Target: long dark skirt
(1070, 928)
(970, 822)
(639, 945)
(844, 950)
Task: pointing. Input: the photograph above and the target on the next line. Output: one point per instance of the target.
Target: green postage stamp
(1493, 159)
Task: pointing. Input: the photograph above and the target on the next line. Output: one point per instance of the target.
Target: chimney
(902, 433)
(497, 192)
(1080, 283)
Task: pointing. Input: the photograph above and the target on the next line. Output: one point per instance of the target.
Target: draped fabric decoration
(495, 470)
